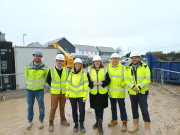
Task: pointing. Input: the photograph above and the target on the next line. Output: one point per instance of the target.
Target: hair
(75, 68)
(101, 65)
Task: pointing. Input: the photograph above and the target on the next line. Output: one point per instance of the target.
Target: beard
(135, 62)
(37, 60)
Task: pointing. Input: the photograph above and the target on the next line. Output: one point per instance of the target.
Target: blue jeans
(30, 95)
(121, 103)
(140, 99)
(99, 113)
(74, 106)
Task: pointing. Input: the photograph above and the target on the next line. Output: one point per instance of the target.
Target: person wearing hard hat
(57, 78)
(98, 81)
(137, 79)
(117, 91)
(36, 74)
(76, 92)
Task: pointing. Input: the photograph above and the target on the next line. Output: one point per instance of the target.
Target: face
(37, 58)
(97, 63)
(59, 63)
(115, 61)
(78, 66)
(135, 60)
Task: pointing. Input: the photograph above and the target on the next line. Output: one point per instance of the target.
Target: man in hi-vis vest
(117, 91)
(137, 78)
(57, 77)
(36, 74)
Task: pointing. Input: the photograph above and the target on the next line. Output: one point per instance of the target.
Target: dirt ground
(164, 112)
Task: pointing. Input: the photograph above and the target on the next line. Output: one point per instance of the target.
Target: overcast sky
(143, 25)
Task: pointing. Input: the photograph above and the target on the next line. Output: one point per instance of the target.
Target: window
(66, 49)
(95, 52)
(87, 52)
(82, 52)
(91, 52)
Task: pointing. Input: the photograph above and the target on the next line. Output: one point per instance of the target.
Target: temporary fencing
(14, 86)
(167, 79)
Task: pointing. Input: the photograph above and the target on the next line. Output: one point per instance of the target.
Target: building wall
(88, 53)
(105, 53)
(23, 56)
(68, 47)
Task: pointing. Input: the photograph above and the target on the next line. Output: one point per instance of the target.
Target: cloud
(141, 25)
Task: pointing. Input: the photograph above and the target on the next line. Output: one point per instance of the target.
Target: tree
(119, 51)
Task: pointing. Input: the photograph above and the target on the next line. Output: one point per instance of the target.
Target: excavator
(68, 59)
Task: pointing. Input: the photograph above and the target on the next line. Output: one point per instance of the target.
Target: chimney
(2, 37)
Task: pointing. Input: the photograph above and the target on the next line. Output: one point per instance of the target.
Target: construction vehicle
(68, 59)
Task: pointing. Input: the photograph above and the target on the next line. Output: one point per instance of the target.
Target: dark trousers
(140, 99)
(74, 102)
(122, 107)
(99, 113)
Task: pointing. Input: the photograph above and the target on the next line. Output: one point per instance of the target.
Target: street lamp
(128, 51)
(23, 39)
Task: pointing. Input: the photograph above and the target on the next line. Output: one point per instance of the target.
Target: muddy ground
(164, 110)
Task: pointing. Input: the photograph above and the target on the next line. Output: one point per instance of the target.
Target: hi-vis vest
(77, 85)
(58, 85)
(143, 78)
(101, 77)
(117, 78)
(36, 78)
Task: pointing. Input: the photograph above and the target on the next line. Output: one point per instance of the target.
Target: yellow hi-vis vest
(77, 85)
(58, 85)
(143, 78)
(35, 79)
(117, 78)
(101, 77)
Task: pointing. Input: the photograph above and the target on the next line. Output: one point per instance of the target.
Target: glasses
(37, 56)
(59, 61)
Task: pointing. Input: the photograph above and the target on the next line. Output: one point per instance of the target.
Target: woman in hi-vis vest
(98, 87)
(76, 91)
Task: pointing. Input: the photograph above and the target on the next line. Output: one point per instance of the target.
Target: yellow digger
(68, 59)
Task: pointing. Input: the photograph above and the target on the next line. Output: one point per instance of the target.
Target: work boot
(83, 130)
(75, 127)
(96, 124)
(135, 126)
(100, 127)
(147, 127)
(41, 124)
(112, 122)
(51, 126)
(29, 125)
(124, 126)
(64, 122)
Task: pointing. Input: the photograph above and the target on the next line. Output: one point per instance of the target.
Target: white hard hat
(96, 57)
(134, 53)
(60, 57)
(115, 55)
(77, 60)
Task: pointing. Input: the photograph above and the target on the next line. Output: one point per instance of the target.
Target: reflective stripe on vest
(118, 76)
(116, 89)
(43, 80)
(104, 72)
(58, 87)
(79, 82)
(58, 82)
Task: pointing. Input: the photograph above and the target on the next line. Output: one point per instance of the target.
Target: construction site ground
(164, 110)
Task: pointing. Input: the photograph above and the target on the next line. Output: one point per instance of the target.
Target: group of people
(101, 82)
